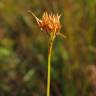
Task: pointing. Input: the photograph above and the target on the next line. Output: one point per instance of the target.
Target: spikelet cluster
(50, 23)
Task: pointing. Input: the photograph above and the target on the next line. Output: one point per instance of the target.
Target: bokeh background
(24, 48)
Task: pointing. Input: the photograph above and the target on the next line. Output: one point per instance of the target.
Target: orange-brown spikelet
(49, 23)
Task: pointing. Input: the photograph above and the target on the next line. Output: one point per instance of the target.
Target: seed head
(49, 23)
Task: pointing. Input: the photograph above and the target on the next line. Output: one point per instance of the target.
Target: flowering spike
(49, 23)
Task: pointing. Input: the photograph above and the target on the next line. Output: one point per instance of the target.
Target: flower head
(49, 23)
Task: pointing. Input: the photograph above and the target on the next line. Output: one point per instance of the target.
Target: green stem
(49, 63)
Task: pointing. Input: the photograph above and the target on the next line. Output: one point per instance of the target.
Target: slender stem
(49, 64)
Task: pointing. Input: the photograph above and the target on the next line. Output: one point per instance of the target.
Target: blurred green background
(23, 49)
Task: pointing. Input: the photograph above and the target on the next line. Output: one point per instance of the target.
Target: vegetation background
(23, 49)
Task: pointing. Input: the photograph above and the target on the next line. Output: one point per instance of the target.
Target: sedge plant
(50, 24)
